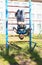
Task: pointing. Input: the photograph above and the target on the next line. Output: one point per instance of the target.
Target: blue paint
(6, 23)
(30, 24)
(6, 12)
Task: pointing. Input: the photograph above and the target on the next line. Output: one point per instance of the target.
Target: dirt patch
(23, 61)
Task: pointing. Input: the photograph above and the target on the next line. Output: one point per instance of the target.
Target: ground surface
(20, 54)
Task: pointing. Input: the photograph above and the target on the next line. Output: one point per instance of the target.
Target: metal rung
(17, 23)
(18, 6)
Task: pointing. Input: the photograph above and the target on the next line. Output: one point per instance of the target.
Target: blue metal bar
(30, 24)
(6, 23)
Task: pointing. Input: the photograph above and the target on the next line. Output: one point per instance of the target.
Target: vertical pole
(30, 25)
(6, 23)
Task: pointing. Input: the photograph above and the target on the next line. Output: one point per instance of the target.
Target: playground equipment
(22, 33)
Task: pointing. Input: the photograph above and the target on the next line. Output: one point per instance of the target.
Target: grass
(39, 36)
(2, 39)
(19, 53)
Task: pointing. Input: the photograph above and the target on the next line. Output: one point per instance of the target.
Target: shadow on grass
(10, 58)
(34, 55)
(15, 46)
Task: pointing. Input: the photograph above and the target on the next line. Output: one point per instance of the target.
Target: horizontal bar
(11, 12)
(10, 30)
(17, 23)
(11, 17)
(27, 12)
(15, 12)
(18, 6)
(12, 35)
(32, 20)
(15, 18)
(17, 41)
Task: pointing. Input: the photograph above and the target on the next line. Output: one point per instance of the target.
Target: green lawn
(19, 53)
